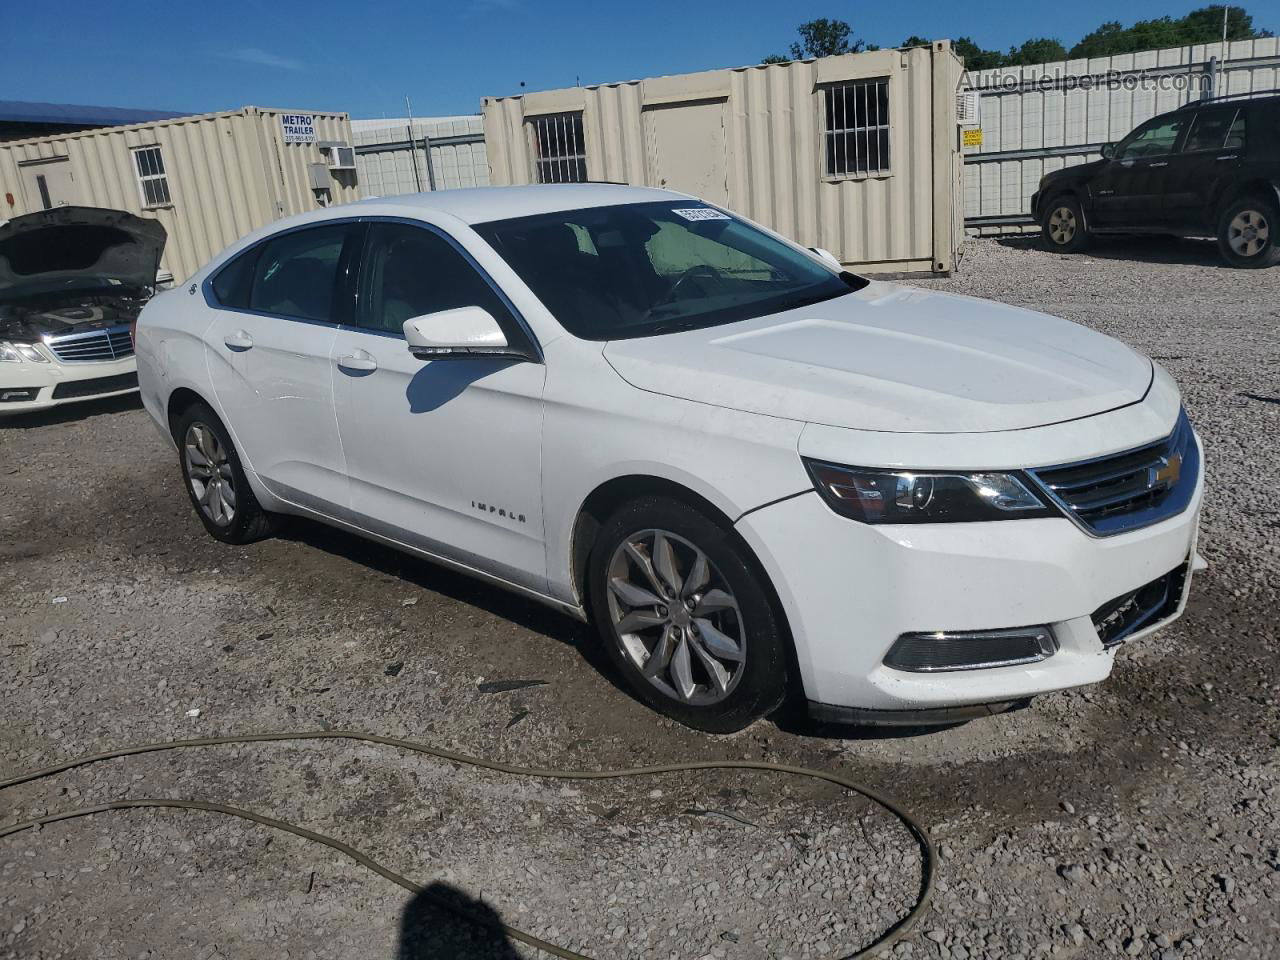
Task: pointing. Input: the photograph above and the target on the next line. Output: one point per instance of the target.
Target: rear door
(1129, 191)
(277, 312)
(1211, 153)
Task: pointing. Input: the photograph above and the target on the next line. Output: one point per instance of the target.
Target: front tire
(215, 479)
(686, 616)
(1064, 229)
(1249, 233)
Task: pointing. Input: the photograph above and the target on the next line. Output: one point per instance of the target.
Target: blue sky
(365, 57)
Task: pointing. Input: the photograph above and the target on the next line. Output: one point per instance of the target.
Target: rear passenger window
(234, 281)
(296, 273)
(409, 271)
(1209, 131)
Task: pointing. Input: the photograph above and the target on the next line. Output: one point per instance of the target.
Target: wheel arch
(1231, 192)
(611, 494)
(180, 401)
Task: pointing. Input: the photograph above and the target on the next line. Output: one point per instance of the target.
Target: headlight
(17, 352)
(910, 496)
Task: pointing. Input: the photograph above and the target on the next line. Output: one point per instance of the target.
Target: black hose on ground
(888, 939)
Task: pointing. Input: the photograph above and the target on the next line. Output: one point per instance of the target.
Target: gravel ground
(1136, 818)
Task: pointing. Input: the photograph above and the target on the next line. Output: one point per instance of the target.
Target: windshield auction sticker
(700, 213)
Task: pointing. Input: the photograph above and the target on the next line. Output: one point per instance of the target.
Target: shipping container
(209, 178)
(858, 154)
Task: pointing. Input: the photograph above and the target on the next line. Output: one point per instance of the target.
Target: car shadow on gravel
(71, 412)
(431, 931)
(525, 613)
(1165, 250)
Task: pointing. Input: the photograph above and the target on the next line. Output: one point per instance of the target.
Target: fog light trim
(945, 651)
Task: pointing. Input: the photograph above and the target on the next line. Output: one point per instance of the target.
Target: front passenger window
(296, 273)
(1157, 138)
(410, 271)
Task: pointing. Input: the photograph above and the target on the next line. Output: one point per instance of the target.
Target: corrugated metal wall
(228, 173)
(1040, 118)
(902, 220)
(389, 165)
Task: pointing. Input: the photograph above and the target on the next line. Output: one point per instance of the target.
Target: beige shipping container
(209, 178)
(858, 154)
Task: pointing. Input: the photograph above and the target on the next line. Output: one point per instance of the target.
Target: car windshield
(638, 270)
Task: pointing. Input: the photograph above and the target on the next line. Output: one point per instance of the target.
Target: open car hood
(895, 359)
(78, 248)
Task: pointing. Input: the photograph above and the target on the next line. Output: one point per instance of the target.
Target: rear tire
(215, 479)
(1249, 232)
(686, 615)
(1064, 229)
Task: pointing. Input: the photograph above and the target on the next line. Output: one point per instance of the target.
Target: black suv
(1209, 168)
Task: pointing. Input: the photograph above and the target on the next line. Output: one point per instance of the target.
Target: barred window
(857, 133)
(153, 184)
(561, 151)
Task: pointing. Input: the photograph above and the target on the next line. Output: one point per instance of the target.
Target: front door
(685, 147)
(49, 183)
(269, 360)
(1212, 152)
(443, 455)
(1129, 191)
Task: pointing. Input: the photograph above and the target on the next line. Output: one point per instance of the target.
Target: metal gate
(394, 157)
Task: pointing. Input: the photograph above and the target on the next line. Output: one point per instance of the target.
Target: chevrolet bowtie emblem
(1166, 474)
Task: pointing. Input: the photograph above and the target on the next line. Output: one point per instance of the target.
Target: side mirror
(462, 332)
(828, 256)
(1108, 151)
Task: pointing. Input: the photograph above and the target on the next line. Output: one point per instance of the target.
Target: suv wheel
(1064, 228)
(686, 617)
(215, 480)
(1249, 232)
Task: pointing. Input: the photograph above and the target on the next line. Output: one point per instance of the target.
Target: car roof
(474, 205)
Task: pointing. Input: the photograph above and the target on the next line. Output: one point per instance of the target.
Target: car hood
(77, 248)
(897, 359)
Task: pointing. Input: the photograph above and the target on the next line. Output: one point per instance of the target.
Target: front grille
(1127, 490)
(94, 347)
(91, 388)
(1144, 607)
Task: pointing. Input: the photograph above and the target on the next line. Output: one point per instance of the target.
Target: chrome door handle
(1229, 156)
(358, 362)
(238, 341)
(1162, 163)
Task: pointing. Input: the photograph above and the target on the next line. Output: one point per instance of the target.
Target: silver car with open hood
(72, 282)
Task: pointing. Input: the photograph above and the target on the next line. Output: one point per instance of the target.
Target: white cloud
(263, 58)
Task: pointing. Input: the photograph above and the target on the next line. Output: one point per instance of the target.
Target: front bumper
(44, 385)
(850, 590)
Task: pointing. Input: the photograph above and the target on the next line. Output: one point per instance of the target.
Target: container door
(48, 184)
(685, 147)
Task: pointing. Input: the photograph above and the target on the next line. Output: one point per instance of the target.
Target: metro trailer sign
(298, 127)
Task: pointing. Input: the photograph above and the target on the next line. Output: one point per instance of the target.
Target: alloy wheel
(1248, 233)
(209, 473)
(676, 618)
(1062, 225)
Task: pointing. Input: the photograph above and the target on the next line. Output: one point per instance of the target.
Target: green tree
(1039, 50)
(914, 41)
(975, 58)
(822, 38)
(1199, 26)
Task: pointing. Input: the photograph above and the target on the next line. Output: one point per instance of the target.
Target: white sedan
(756, 474)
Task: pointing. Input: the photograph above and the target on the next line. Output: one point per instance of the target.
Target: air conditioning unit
(339, 155)
(968, 108)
